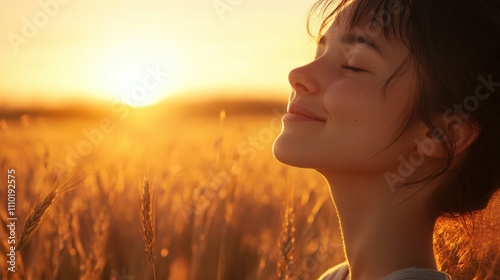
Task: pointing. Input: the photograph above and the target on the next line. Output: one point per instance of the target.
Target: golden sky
(54, 50)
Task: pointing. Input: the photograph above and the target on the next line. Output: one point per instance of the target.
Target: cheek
(362, 123)
(352, 106)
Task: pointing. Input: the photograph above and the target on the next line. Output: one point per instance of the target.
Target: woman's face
(352, 120)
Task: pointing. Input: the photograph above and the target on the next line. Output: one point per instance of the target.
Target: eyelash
(352, 69)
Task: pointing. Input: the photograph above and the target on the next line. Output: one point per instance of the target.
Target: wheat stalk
(148, 223)
(287, 244)
(36, 217)
(63, 231)
(96, 256)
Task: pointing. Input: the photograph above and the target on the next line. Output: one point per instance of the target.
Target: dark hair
(455, 48)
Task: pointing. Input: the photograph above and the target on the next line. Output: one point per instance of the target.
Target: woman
(399, 111)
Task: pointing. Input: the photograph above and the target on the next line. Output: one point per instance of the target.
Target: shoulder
(417, 273)
(338, 272)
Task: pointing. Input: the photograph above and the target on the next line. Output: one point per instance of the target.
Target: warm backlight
(139, 73)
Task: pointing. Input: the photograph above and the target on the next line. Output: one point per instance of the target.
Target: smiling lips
(297, 112)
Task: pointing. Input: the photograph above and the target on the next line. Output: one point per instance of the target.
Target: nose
(302, 80)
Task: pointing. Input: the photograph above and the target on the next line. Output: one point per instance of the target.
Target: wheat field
(184, 196)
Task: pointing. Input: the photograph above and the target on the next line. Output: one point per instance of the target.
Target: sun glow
(140, 73)
(63, 57)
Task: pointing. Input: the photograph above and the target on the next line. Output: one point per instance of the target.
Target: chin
(294, 155)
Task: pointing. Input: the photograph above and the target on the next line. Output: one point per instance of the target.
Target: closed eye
(353, 69)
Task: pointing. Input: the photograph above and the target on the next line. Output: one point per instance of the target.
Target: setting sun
(139, 73)
(146, 90)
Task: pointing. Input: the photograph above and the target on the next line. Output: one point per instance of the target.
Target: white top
(340, 272)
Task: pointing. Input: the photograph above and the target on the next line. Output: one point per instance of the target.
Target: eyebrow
(351, 39)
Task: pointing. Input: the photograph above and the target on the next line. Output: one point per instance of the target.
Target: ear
(460, 132)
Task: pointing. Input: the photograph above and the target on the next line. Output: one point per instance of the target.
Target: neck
(382, 230)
